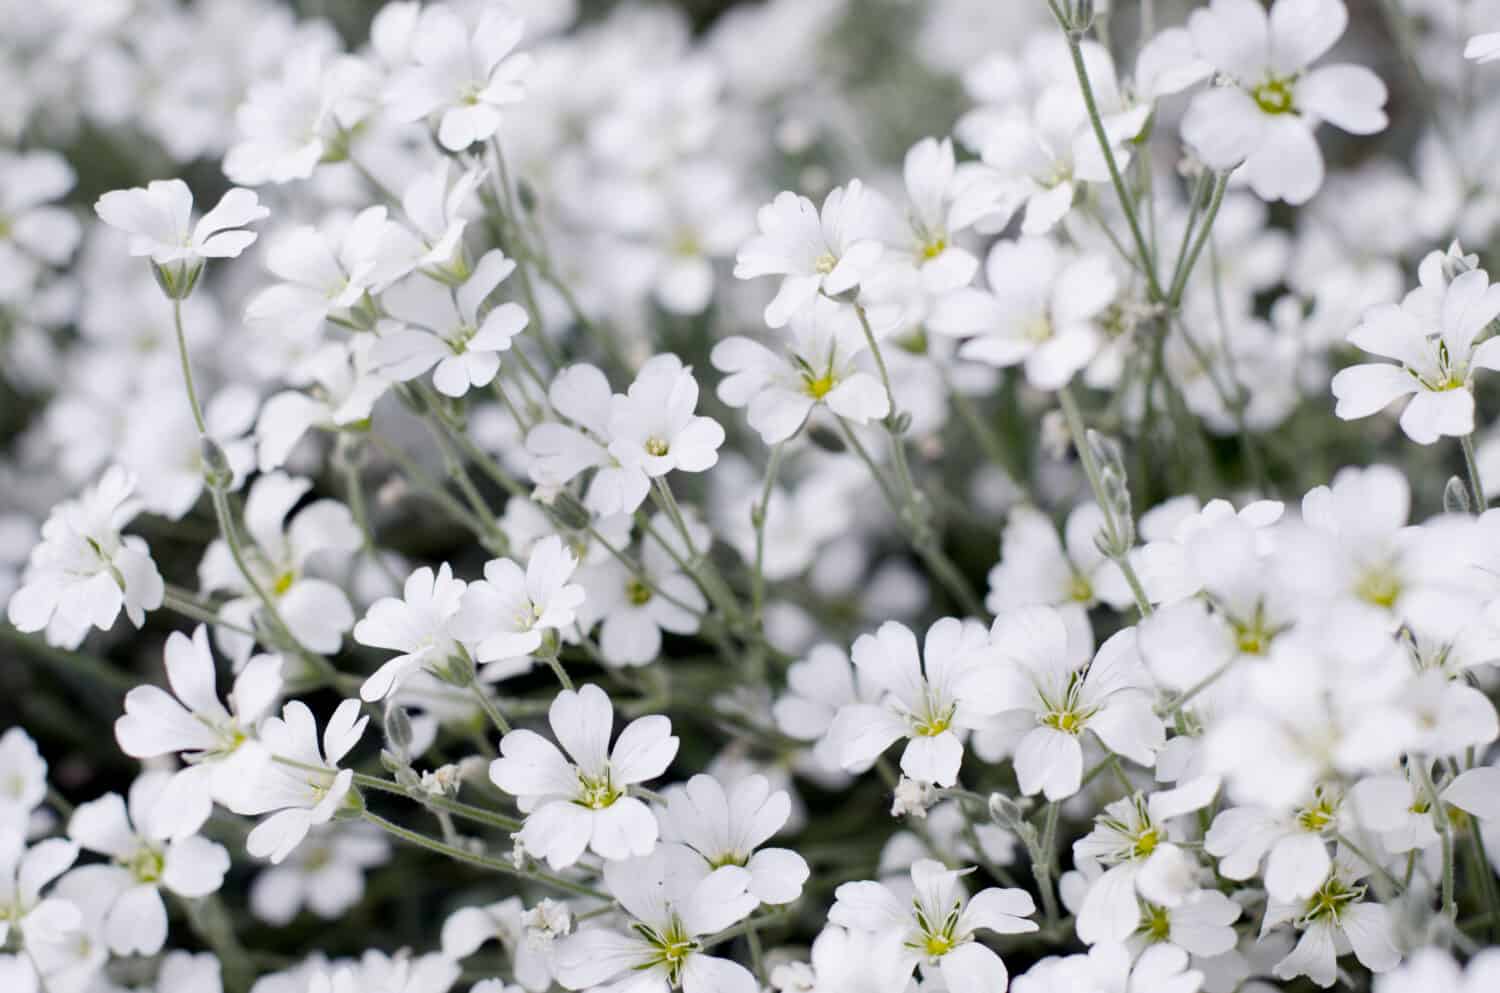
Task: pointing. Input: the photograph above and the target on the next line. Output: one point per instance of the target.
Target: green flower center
(638, 593)
(1274, 96)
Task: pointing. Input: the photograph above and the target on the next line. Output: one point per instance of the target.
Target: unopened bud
(1456, 497)
(217, 473)
(397, 726)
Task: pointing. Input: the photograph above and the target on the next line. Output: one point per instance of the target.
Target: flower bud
(217, 473)
(1456, 497)
(397, 727)
(177, 279)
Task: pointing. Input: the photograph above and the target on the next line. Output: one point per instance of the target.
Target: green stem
(1445, 833)
(758, 518)
(1471, 466)
(1186, 264)
(483, 861)
(1080, 69)
(488, 706)
(1115, 530)
(187, 369)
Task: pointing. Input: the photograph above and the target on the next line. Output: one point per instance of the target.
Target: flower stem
(488, 706)
(1080, 69)
(758, 519)
(1445, 832)
(1091, 469)
(187, 369)
(1471, 465)
(483, 861)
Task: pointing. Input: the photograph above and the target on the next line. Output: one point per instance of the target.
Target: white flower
(1131, 834)
(468, 75)
(26, 916)
(326, 874)
(652, 426)
(280, 555)
(634, 610)
(1037, 149)
(825, 363)
(813, 253)
(144, 862)
(302, 786)
(1483, 47)
(1431, 334)
(467, 929)
(727, 826)
(1292, 843)
(435, 326)
(1038, 690)
(159, 220)
(674, 900)
(818, 686)
(559, 451)
(293, 120)
(1430, 969)
(85, 571)
(1265, 113)
(1109, 968)
(936, 928)
(928, 705)
(30, 226)
(1042, 308)
(583, 803)
(325, 272)
(506, 614)
(1068, 572)
(933, 219)
(417, 625)
(23, 779)
(217, 742)
(342, 393)
(1335, 918)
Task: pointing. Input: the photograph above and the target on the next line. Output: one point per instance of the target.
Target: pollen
(934, 248)
(825, 263)
(638, 593)
(820, 387)
(283, 583)
(657, 447)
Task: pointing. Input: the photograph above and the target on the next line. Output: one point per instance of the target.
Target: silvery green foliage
(1049, 553)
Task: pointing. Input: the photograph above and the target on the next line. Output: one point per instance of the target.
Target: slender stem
(191, 609)
(483, 861)
(523, 254)
(355, 492)
(1041, 864)
(429, 487)
(488, 706)
(187, 369)
(1080, 69)
(1471, 465)
(922, 541)
(1185, 265)
(1445, 832)
(555, 664)
(1095, 476)
(758, 519)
